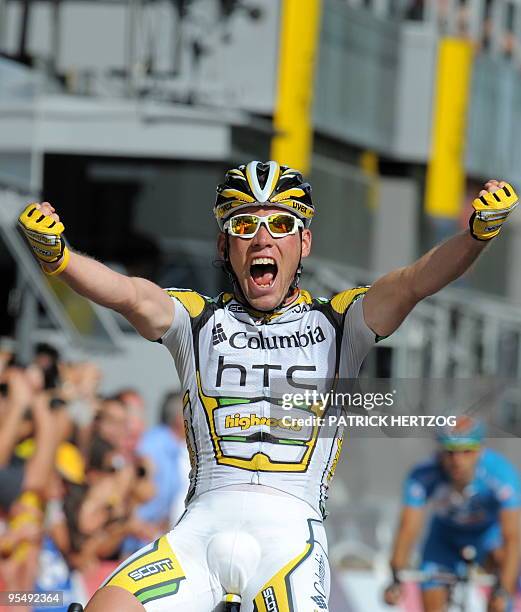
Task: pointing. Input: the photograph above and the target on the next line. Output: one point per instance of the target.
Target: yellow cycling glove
(491, 211)
(44, 236)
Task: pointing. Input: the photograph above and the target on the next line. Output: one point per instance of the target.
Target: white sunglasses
(278, 225)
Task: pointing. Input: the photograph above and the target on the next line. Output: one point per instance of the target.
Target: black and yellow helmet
(257, 184)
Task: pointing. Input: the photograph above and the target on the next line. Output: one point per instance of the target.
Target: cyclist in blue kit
(475, 494)
(253, 526)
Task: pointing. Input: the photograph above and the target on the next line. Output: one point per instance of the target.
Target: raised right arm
(145, 305)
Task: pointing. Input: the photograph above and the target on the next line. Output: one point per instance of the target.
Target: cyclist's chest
(470, 506)
(246, 356)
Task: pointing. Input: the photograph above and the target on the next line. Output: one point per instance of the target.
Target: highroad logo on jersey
(245, 421)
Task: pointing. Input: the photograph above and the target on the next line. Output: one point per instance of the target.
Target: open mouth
(263, 271)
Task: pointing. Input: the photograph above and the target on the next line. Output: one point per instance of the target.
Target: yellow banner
(446, 169)
(298, 44)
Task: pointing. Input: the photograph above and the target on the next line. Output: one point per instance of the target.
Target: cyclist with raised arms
(476, 498)
(253, 524)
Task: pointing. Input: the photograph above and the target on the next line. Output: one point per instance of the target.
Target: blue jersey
(495, 487)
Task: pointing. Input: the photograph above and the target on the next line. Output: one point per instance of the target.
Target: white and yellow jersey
(238, 369)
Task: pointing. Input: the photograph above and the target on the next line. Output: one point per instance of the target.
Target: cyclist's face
(460, 464)
(265, 266)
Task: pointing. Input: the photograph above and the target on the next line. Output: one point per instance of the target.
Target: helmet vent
(262, 179)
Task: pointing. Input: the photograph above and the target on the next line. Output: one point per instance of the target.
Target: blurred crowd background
(82, 479)
(125, 114)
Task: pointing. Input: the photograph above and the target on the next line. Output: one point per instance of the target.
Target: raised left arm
(392, 297)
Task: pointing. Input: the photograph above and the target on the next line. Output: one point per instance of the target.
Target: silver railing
(456, 333)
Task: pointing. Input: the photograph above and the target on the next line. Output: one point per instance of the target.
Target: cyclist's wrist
(395, 572)
(55, 268)
(500, 591)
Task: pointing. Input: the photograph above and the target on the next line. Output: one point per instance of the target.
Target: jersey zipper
(265, 389)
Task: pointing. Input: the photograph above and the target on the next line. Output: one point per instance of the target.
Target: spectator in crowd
(164, 447)
(104, 515)
(47, 358)
(23, 482)
(80, 388)
(135, 406)
(110, 423)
